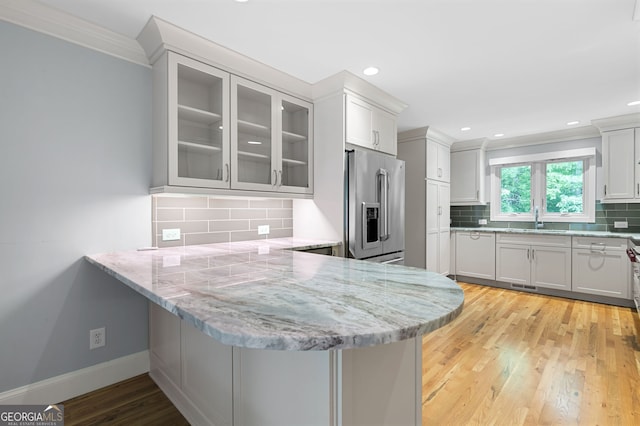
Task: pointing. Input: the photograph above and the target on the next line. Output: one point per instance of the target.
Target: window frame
(538, 165)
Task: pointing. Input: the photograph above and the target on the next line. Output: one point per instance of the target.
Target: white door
(618, 163)
(254, 141)
(359, 122)
(551, 267)
(464, 180)
(512, 263)
(387, 136)
(433, 225)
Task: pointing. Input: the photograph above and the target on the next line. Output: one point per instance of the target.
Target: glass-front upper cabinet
(270, 139)
(198, 124)
(296, 171)
(253, 136)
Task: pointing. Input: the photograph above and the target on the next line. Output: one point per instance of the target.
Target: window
(559, 186)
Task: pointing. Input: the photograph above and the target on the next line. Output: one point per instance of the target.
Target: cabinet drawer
(596, 243)
(540, 240)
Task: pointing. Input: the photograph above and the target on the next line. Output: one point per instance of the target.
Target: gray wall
(75, 166)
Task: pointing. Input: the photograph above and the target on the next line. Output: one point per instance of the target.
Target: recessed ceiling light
(370, 71)
(634, 103)
(242, 1)
(499, 135)
(572, 123)
(254, 142)
(465, 129)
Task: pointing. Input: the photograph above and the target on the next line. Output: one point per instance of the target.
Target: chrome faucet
(536, 215)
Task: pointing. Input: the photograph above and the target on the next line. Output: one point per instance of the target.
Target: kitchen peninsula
(258, 333)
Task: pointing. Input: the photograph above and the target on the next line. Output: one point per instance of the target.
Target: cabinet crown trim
(426, 132)
(346, 81)
(618, 122)
(159, 35)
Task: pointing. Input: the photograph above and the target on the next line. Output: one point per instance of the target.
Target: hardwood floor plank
(517, 358)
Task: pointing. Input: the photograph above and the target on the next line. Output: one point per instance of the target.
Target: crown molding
(574, 133)
(48, 20)
(159, 36)
(617, 122)
(480, 143)
(426, 132)
(344, 80)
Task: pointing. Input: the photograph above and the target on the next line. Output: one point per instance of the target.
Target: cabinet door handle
(477, 195)
(533, 254)
(227, 172)
(280, 177)
(637, 188)
(528, 254)
(439, 210)
(275, 177)
(605, 190)
(439, 172)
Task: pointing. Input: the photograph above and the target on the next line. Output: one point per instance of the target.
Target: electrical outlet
(621, 224)
(482, 221)
(263, 230)
(97, 338)
(170, 234)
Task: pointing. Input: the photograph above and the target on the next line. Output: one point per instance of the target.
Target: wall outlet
(97, 338)
(170, 234)
(263, 230)
(621, 224)
(482, 221)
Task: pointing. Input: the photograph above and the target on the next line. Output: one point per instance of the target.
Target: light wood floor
(514, 358)
(510, 358)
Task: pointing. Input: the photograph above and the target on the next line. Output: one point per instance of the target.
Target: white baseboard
(69, 385)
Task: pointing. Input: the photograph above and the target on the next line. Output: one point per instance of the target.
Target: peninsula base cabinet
(534, 260)
(215, 384)
(601, 267)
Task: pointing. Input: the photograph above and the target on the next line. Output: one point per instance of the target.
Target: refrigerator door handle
(384, 203)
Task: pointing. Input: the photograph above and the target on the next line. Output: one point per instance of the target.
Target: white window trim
(537, 162)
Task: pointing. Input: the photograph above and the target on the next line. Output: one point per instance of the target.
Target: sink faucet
(538, 224)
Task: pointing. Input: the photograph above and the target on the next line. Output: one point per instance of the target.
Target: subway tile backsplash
(606, 215)
(205, 220)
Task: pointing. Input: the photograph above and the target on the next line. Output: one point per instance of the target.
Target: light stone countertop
(543, 231)
(262, 294)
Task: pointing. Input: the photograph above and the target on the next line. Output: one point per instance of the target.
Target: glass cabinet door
(253, 141)
(296, 147)
(201, 111)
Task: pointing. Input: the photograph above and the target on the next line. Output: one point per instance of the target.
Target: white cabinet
(476, 254)
(217, 131)
(370, 126)
(467, 177)
(438, 226)
(427, 208)
(621, 164)
(534, 260)
(601, 266)
(191, 116)
(438, 161)
(270, 139)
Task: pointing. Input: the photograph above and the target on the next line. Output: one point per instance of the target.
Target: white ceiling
(498, 66)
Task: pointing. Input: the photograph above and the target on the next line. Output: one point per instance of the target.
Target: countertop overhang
(265, 295)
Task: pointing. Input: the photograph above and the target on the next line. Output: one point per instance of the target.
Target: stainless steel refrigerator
(374, 201)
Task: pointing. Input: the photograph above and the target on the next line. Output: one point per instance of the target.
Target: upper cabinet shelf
(198, 115)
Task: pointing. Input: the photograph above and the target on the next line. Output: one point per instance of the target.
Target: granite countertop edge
(371, 319)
